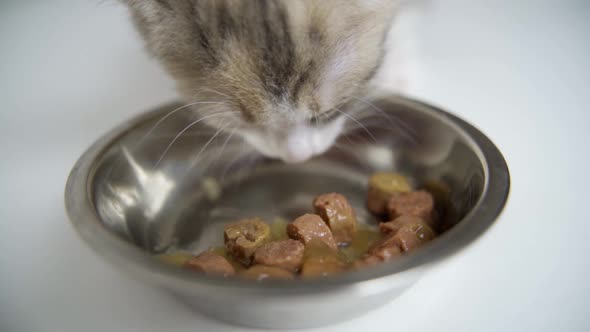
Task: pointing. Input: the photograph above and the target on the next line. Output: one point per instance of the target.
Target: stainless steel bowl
(127, 205)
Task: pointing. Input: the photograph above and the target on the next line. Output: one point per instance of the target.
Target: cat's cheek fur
(298, 144)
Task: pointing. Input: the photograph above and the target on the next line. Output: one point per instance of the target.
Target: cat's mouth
(297, 143)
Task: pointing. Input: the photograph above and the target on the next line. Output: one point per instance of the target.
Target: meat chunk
(410, 237)
(309, 227)
(367, 261)
(416, 203)
(407, 237)
(320, 260)
(262, 272)
(211, 263)
(286, 254)
(382, 186)
(386, 249)
(446, 213)
(322, 266)
(335, 210)
(392, 227)
(243, 237)
(404, 233)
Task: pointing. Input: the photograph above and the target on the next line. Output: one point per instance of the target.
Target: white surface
(70, 70)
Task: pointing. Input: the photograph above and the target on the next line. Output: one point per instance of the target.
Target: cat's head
(277, 70)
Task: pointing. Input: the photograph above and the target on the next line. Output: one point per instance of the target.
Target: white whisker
(405, 128)
(234, 161)
(343, 134)
(183, 131)
(225, 143)
(357, 121)
(347, 150)
(209, 142)
(174, 111)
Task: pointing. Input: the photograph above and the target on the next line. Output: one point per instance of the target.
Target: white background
(518, 70)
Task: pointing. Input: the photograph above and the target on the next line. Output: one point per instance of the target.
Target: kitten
(279, 69)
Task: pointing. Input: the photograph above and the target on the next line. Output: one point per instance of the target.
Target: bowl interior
(163, 197)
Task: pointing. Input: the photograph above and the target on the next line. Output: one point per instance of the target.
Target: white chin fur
(296, 144)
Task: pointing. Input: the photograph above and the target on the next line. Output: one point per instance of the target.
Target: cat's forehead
(265, 54)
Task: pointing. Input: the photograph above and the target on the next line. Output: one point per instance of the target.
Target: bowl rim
(84, 217)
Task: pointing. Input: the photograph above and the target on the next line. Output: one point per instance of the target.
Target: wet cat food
(382, 186)
(414, 203)
(338, 214)
(310, 227)
(286, 254)
(322, 266)
(393, 226)
(401, 235)
(243, 237)
(262, 272)
(211, 263)
(406, 238)
(326, 243)
(320, 260)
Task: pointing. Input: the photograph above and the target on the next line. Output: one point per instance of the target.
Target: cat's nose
(294, 158)
(297, 148)
(297, 153)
